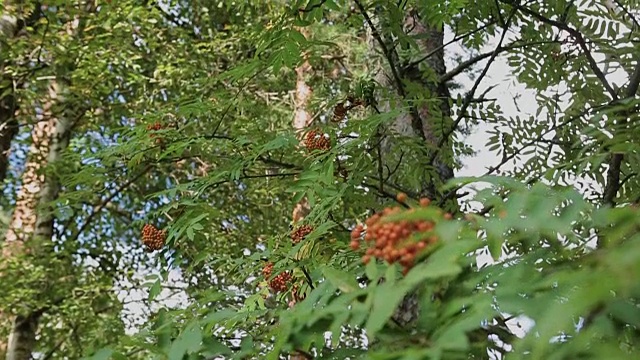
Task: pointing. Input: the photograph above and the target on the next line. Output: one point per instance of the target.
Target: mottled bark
(426, 121)
(301, 119)
(31, 220)
(8, 124)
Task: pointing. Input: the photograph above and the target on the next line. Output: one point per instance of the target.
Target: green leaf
(188, 342)
(103, 354)
(340, 279)
(371, 270)
(386, 299)
(155, 290)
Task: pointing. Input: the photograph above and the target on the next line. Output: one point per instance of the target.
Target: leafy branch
(470, 95)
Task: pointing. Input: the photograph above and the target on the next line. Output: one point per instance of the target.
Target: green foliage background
(221, 76)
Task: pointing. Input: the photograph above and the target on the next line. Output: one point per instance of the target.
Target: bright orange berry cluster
(390, 240)
(300, 233)
(280, 283)
(153, 238)
(316, 140)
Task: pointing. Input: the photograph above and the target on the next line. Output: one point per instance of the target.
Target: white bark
(50, 137)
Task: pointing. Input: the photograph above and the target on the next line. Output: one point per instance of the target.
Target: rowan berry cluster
(153, 238)
(341, 109)
(300, 233)
(280, 283)
(392, 240)
(316, 140)
(154, 127)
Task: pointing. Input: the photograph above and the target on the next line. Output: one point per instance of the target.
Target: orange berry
(401, 197)
(424, 202)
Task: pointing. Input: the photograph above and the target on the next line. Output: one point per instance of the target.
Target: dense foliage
(185, 172)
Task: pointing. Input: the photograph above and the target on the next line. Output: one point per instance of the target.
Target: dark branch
(99, 208)
(613, 174)
(388, 53)
(456, 39)
(312, 7)
(466, 64)
(577, 35)
(471, 93)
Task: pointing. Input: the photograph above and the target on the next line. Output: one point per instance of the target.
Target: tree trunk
(31, 219)
(8, 125)
(8, 129)
(302, 119)
(9, 28)
(426, 121)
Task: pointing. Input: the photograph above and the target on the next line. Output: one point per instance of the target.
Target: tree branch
(613, 174)
(104, 203)
(577, 35)
(456, 39)
(312, 7)
(466, 64)
(388, 53)
(470, 94)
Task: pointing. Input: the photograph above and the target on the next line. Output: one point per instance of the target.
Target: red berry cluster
(300, 233)
(390, 241)
(280, 283)
(154, 127)
(316, 140)
(341, 109)
(153, 238)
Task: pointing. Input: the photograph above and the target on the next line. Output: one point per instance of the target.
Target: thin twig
(226, 111)
(107, 200)
(312, 7)
(306, 275)
(577, 35)
(456, 39)
(385, 50)
(470, 94)
(468, 63)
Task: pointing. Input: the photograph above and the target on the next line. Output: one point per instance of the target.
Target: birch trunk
(31, 220)
(302, 119)
(9, 28)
